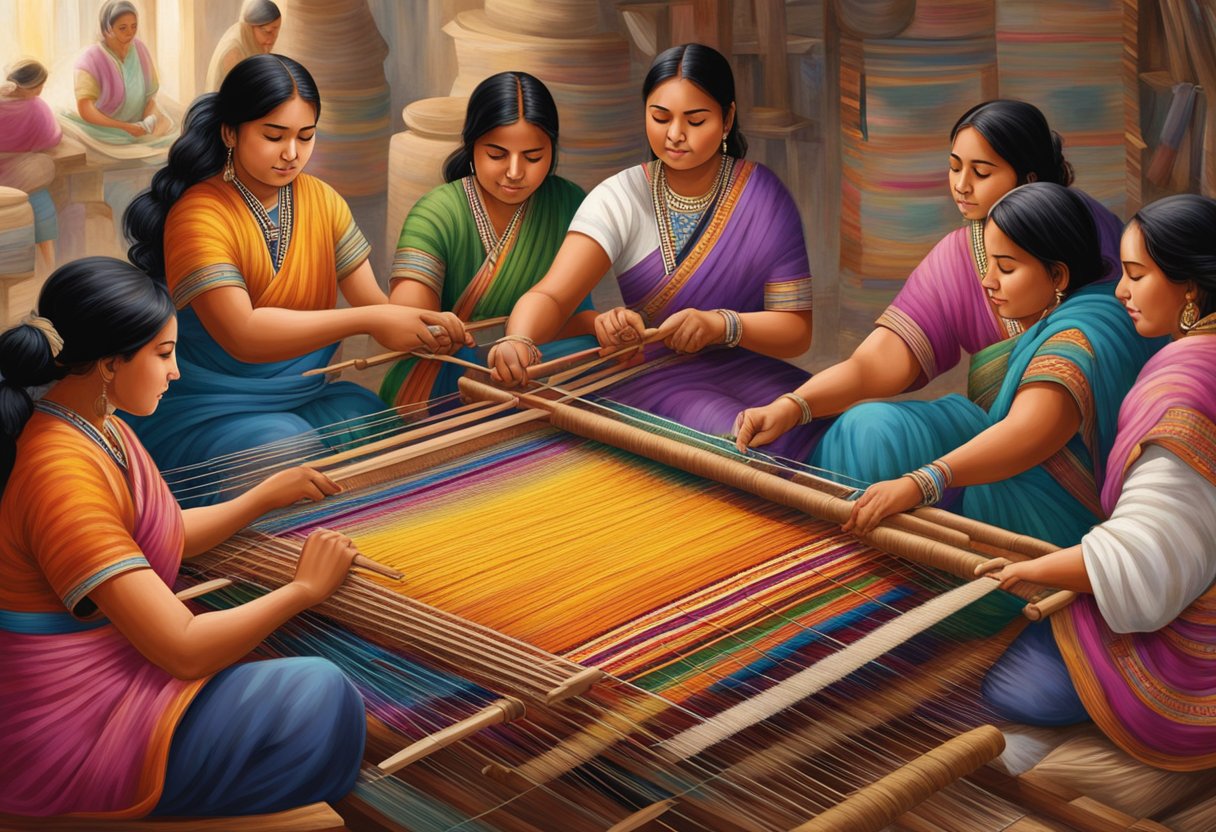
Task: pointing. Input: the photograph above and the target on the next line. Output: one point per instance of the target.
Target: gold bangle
(804, 407)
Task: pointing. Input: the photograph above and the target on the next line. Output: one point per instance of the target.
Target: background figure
(116, 83)
(30, 126)
(253, 34)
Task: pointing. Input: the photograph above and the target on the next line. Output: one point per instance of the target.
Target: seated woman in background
(1135, 651)
(706, 246)
(1028, 443)
(30, 126)
(942, 309)
(474, 245)
(253, 34)
(117, 700)
(116, 83)
(254, 253)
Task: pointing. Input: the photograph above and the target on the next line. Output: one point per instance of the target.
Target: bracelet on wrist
(804, 407)
(534, 354)
(932, 480)
(734, 327)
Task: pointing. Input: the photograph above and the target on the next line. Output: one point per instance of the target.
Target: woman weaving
(1134, 651)
(1028, 443)
(942, 309)
(254, 253)
(706, 246)
(474, 245)
(117, 700)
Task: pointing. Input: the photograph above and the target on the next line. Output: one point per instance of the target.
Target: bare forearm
(1064, 569)
(776, 334)
(208, 526)
(276, 334)
(212, 641)
(407, 292)
(89, 112)
(537, 316)
(881, 367)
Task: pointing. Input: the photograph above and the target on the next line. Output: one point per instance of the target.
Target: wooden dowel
(363, 363)
(985, 533)
(576, 685)
(642, 816)
(877, 805)
(503, 710)
(199, 590)
(364, 562)
(1038, 610)
(548, 367)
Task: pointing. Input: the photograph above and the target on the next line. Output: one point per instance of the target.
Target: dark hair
(253, 88)
(709, 70)
(495, 102)
(260, 12)
(1018, 132)
(1055, 225)
(101, 307)
(27, 73)
(1180, 235)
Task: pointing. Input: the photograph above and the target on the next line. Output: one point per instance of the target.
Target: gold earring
(724, 145)
(1059, 296)
(1189, 316)
(102, 406)
(229, 168)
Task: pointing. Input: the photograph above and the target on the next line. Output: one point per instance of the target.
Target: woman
(254, 253)
(1028, 443)
(474, 245)
(30, 126)
(942, 309)
(1135, 651)
(117, 701)
(706, 246)
(116, 83)
(253, 34)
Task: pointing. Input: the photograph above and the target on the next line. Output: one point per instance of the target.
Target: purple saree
(749, 257)
(1154, 694)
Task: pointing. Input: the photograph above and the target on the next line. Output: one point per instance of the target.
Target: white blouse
(1157, 552)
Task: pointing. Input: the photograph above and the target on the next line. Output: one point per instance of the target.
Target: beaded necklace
(110, 443)
(490, 241)
(277, 237)
(665, 201)
(980, 254)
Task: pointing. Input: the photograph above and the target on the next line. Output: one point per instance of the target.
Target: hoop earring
(1189, 316)
(229, 167)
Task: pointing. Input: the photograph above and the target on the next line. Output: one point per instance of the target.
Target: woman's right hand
(406, 328)
(509, 362)
(325, 561)
(619, 327)
(135, 129)
(761, 425)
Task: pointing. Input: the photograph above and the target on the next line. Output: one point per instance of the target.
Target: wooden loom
(618, 756)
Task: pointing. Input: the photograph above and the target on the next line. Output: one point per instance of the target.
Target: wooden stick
(576, 685)
(598, 353)
(503, 710)
(364, 362)
(642, 816)
(1038, 610)
(877, 805)
(199, 590)
(364, 562)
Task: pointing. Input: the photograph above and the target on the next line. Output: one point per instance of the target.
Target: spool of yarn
(340, 46)
(894, 185)
(547, 18)
(18, 292)
(862, 19)
(1066, 58)
(416, 156)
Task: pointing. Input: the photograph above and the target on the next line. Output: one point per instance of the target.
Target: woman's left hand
(692, 330)
(881, 500)
(294, 484)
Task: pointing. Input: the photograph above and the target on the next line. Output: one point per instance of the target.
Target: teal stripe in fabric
(46, 623)
(95, 580)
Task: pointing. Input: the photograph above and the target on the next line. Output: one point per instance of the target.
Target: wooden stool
(317, 817)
